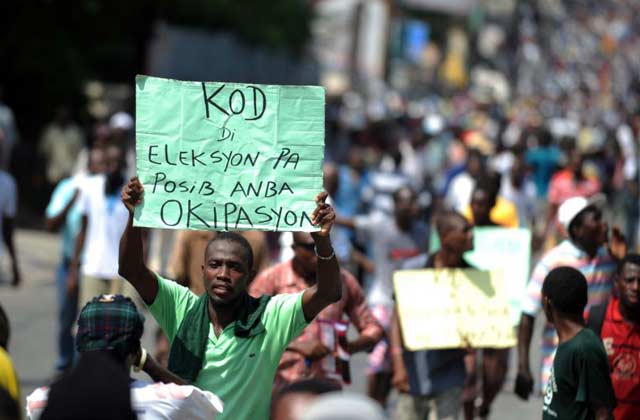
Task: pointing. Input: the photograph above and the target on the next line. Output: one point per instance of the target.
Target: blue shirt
(59, 199)
(544, 161)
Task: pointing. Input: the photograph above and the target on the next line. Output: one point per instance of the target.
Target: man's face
(304, 253)
(628, 283)
(594, 229)
(481, 205)
(97, 163)
(114, 160)
(459, 236)
(405, 205)
(226, 272)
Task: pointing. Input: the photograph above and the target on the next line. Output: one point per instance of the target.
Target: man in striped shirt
(588, 250)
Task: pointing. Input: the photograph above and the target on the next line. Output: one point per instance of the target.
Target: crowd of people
(263, 324)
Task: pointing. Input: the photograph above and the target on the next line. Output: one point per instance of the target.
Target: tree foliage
(49, 48)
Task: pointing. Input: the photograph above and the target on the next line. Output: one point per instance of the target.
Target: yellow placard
(453, 308)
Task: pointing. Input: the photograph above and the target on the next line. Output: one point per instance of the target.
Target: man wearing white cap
(586, 249)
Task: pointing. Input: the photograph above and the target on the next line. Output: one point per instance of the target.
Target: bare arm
(161, 374)
(54, 223)
(74, 267)
(524, 380)
(131, 264)
(7, 237)
(361, 317)
(400, 378)
(328, 288)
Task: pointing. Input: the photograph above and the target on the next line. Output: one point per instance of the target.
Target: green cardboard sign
(228, 156)
(503, 249)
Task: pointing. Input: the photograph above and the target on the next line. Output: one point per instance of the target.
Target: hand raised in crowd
(312, 350)
(524, 384)
(323, 216)
(617, 243)
(132, 194)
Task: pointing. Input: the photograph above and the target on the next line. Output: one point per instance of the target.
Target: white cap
(121, 120)
(570, 208)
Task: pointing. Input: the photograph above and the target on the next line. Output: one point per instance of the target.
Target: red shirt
(281, 278)
(564, 186)
(621, 340)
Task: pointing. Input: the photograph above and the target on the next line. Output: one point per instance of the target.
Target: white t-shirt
(152, 402)
(107, 220)
(459, 194)
(8, 198)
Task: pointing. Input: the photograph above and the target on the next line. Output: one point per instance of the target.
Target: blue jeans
(67, 314)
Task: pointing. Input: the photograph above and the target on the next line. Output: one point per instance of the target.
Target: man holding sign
(226, 341)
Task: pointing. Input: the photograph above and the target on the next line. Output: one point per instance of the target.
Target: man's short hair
(110, 322)
(631, 258)
(237, 239)
(397, 193)
(444, 220)
(566, 288)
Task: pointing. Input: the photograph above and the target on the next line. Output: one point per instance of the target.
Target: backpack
(596, 317)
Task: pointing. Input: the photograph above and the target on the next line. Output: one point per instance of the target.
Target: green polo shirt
(238, 370)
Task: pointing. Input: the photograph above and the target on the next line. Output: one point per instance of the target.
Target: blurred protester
(62, 213)
(432, 376)
(458, 195)
(121, 127)
(494, 360)
(293, 400)
(103, 220)
(544, 158)
(517, 188)
(391, 243)
(616, 322)
(343, 406)
(568, 183)
(108, 342)
(101, 136)
(630, 189)
(579, 385)
(305, 357)
(60, 145)
(350, 185)
(487, 208)
(254, 332)
(585, 250)
(9, 132)
(8, 207)
(8, 377)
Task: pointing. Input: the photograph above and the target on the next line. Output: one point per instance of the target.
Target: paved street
(32, 312)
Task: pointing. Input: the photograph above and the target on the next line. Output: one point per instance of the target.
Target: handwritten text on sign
(506, 249)
(228, 156)
(441, 309)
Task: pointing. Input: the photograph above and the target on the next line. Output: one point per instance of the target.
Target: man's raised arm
(328, 288)
(131, 260)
